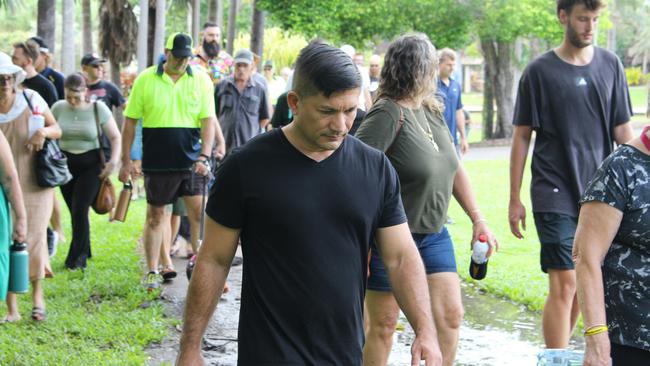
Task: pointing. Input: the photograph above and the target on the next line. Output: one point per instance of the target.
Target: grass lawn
(639, 96)
(100, 317)
(514, 272)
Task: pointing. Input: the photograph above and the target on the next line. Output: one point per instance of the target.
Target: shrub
(634, 76)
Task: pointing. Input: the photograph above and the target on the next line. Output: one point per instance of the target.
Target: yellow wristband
(596, 329)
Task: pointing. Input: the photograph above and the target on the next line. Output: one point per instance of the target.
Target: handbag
(51, 163)
(105, 200)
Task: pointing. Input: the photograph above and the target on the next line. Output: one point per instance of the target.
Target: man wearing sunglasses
(98, 88)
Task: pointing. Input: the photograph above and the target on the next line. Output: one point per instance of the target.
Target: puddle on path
(495, 332)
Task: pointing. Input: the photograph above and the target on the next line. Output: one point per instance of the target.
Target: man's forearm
(208, 126)
(408, 279)
(128, 133)
(460, 123)
(203, 294)
(518, 155)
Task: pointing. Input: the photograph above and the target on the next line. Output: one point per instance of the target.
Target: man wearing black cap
(98, 88)
(175, 102)
(42, 65)
(241, 103)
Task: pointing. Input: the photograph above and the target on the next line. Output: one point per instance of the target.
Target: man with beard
(209, 55)
(25, 55)
(575, 98)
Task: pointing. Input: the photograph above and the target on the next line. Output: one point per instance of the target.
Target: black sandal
(38, 314)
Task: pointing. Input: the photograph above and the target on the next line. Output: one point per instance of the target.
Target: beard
(574, 37)
(211, 48)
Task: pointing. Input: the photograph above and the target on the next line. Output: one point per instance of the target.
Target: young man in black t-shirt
(307, 201)
(25, 55)
(575, 98)
(43, 68)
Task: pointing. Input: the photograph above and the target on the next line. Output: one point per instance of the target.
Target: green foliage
(362, 22)
(280, 46)
(96, 317)
(634, 76)
(506, 20)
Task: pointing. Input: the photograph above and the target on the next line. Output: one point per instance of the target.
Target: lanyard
(644, 138)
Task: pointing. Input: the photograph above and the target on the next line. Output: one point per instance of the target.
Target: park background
(103, 316)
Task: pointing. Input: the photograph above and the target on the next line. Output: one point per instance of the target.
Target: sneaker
(152, 281)
(168, 273)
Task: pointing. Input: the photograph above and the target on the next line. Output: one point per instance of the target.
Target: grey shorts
(556, 232)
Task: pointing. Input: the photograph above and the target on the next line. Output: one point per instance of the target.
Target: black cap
(41, 43)
(180, 44)
(91, 59)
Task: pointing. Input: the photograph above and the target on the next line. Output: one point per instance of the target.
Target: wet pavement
(495, 331)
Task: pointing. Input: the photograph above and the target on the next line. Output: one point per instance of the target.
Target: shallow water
(495, 332)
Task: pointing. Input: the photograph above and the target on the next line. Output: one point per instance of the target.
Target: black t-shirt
(306, 230)
(43, 87)
(106, 92)
(573, 110)
(55, 78)
(282, 115)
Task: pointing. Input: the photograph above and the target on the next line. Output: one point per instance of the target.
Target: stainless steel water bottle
(18, 268)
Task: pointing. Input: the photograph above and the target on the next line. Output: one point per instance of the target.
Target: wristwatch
(205, 162)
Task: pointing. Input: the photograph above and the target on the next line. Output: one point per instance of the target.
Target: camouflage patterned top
(623, 182)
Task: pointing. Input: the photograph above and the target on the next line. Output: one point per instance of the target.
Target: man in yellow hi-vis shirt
(176, 105)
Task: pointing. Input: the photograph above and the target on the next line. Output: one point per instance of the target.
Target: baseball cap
(180, 44)
(41, 43)
(91, 59)
(244, 57)
(268, 63)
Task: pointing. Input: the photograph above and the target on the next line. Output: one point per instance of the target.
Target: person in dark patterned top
(612, 255)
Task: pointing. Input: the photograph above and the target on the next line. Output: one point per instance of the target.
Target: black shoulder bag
(51, 163)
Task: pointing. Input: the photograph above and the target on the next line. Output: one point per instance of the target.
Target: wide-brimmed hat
(8, 68)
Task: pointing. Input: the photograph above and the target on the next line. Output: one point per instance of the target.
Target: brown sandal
(38, 314)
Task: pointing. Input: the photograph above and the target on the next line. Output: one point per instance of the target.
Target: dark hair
(321, 68)
(210, 24)
(30, 48)
(74, 81)
(567, 5)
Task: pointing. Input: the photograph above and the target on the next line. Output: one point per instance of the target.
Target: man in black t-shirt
(575, 98)
(307, 201)
(43, 68)
(98, 88)
(25, 55)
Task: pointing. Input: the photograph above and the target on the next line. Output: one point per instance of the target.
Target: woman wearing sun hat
(16, 107)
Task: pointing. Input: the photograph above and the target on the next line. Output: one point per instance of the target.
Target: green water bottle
(18, 268)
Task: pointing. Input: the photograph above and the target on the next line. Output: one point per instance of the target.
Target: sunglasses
(6, 78)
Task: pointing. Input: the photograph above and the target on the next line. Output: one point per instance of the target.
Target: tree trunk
(213, 7)
(489, 68)
(257, 33)
(143, 32)
(220, 14)
(151, 33)
(196, 19)
(87, 33)
(504, 85)
(232, 25)
(68, 59)
(46, 23)
(118, 114)
(159, 32)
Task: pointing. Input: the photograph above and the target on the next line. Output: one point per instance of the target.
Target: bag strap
(29, 102)
(99, 140)
(400, 123)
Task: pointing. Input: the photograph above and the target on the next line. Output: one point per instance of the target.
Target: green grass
(514, 271)
(639, 96)
(100, 317)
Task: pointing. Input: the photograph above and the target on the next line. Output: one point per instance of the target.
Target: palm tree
(257, 32)
(45, 21)
(143, 31)
(232, 25)
(215, 12)
(159, 30)
(196, 19)
(87, 33)
(67, 37)
(117, 35)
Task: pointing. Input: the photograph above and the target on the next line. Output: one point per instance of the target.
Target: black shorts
(556, 232)
(164, 188)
